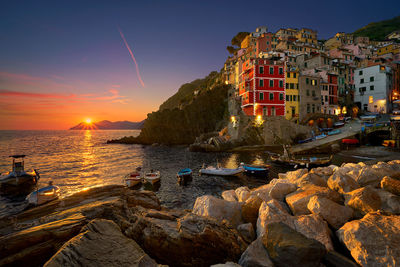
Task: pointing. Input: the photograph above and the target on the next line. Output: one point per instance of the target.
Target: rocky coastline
(328, 216)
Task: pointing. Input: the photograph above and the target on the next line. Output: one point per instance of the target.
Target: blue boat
(321, 136)
(184, 176)
(337, 131)
(305, 140)
(257, 171)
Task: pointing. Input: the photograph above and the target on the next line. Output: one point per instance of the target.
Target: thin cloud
(132, 56)
(35, 95)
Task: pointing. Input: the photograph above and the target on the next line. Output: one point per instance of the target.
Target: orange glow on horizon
(88, 120)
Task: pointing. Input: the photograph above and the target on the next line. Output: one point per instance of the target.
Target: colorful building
(292, 93)
(262, 87)
(310, 95)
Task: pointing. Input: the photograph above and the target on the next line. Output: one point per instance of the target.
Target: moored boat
(134, 178)
(333, 132)
(152, 177)
(18, 180)
(310, 162)
(218, 171)
(184, 175)
(321, 136)
(44, 195)
(350, 141)
(257, 171)
(338, 124)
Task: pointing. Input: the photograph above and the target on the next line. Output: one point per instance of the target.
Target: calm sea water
(75, 160)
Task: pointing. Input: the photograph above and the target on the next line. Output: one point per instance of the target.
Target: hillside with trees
(377, 31)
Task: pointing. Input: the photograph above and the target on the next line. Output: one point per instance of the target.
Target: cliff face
(200, 109)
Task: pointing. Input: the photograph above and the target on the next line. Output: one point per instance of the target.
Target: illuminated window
(371, 99)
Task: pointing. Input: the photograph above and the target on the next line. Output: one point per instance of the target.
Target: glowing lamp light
(226, 82)
(233, 119)
(344, 110)
(259, 121)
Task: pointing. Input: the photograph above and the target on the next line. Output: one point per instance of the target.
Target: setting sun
(88, 120)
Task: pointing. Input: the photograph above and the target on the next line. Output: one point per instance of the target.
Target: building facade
(373, 88)
(310, 95)
(262, 87)
(292, 94)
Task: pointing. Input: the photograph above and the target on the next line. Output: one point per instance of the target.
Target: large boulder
(242, 193)
(363, 200)
(323, 172)
(335, 259)
(386, 169)
(101, 243)
(250, 209)
(146, 199)
(391, 185)
(190, 240)
(389, 202)
(255, 256)
(294, 176)
(311, 178)
(262, 192)
(226, 264)
(312, 226)
(373, 240)
(370, 176)
(342, 182)
(335, 214)
(219, 209)
(299, 199)
(229, 195)
(280, 188)
(287, 247)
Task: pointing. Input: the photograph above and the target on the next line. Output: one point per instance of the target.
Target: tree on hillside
(236, 41)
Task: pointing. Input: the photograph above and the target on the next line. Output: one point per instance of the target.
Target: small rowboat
(184, 175)
(337, 131)
(305, 140)
(257, 171)
(321, 136)
(152, 177)
(134, 178)
(44, 195)
(218, 171)
(350, 141)
(338, 124)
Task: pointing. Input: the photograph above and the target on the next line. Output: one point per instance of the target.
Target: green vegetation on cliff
(377, 31)
(186, 115)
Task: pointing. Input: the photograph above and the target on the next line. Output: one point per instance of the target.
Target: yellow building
(292, 94)
(391, 48)
(307, 36)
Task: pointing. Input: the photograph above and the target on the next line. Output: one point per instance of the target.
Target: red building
(264, 43)
(333, 89)
(262, 87)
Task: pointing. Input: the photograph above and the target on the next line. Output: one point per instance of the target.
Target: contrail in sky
(132, 56)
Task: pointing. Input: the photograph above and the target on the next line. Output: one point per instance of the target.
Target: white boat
(18, 176)
(134, 178)
(152, 177)
(44, 195)
(218, 171)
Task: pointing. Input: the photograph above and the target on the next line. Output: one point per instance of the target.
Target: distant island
(109, 125)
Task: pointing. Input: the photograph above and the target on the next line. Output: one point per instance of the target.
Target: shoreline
(303, 206)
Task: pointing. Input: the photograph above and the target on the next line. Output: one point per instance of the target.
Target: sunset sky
(64, 61)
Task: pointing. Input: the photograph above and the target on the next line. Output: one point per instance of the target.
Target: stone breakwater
(330, 216)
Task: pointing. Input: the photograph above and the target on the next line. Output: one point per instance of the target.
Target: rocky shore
(330, 216)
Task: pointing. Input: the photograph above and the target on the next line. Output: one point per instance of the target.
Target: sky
(64, 61)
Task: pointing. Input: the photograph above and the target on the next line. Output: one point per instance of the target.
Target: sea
(76, 160)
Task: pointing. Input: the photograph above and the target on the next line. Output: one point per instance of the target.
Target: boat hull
(221, 171)
(131, 182)
(152, 178)
(43, 195)
(302, 163)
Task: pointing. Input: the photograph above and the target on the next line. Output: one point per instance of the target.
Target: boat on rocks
(308, 162)
(184, 176)
(44, 195)
(333, 132)
(256, 171)
(152, 177)
(321, 136)
(134, 178)
(219, 171)
(18, 181)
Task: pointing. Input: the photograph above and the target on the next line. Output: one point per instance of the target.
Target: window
(314, 82)
(371, 88)
(280, 96)
(271, 70)
(362, 81)
(360, 72)
(288, 74)
(261, 70)
(292, 86)
(261, 96)
(298, 98)
(280, 70)
(281, 84)
(307, 81)
(326, 98)
(313, 93)
(308, 92)
(371, 79)
(271, 83)
(287, 97)
(313, 108)
(308, 108)
(287, 86)
(261, 83)
(294, 75)
(294, 98)
(305, 64)
(290, 98)
(271, 96)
